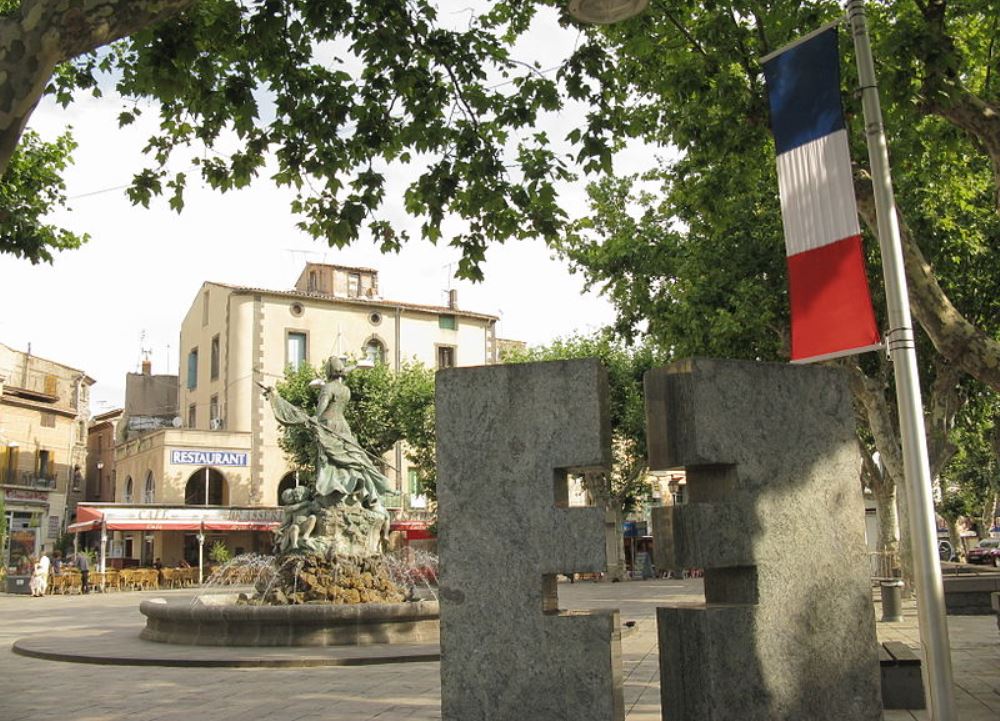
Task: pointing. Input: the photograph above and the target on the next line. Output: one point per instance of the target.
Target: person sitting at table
(183, 564)
(158, 564)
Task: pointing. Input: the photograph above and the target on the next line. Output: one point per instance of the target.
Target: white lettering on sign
(209, 458)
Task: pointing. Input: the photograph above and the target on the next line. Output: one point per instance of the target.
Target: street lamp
(605, 12)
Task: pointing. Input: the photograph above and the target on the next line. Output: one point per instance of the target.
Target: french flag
(827, 285)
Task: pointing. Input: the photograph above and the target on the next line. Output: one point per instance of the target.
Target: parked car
(988, 551)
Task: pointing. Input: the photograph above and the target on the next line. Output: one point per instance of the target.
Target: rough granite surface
(776, 520)
(507, 435)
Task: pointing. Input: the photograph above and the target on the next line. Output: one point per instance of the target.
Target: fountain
(330, 583)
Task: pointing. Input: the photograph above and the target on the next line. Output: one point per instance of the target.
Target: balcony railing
(28, 479)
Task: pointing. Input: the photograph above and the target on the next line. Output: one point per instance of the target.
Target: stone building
(101, 435)
(223, 453)
(44, 408)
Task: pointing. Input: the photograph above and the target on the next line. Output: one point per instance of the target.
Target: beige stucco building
(233, 340)
(44, 407)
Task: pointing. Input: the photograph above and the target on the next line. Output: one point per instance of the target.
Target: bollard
(892, 601)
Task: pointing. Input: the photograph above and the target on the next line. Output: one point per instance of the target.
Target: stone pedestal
(776, 520)
(349, 531)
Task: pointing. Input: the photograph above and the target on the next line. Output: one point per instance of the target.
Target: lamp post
(201, 555)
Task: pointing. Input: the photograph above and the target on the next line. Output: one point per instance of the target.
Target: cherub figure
(300, 520)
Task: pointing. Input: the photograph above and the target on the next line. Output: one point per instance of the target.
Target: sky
(98, 308)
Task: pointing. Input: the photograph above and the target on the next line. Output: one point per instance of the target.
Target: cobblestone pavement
(40, 690)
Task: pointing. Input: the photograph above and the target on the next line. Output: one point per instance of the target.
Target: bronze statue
(346, 477)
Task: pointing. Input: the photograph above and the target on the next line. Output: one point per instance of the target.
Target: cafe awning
(414, 530)
(152, 517)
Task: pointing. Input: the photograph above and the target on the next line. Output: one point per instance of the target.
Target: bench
(902, 685)
(970, 595)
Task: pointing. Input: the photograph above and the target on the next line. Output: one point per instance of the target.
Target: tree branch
(963, 344)
(45, 34)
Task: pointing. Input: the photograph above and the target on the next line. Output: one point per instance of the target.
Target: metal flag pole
(902, 352)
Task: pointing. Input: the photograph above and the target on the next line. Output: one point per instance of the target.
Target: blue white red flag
(827, 284)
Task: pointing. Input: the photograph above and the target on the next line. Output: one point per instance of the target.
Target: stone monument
(775, 518)
(507, 436)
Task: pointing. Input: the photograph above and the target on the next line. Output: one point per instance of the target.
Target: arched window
(128, 489)
(375, 351)
(149, 496)
(287, 481)
(215, 484)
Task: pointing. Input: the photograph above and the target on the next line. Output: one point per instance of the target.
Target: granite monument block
(776, 519)
(507, 437)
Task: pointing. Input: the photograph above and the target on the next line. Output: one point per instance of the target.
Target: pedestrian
(57, 562)
(83, 563)
(40, 576)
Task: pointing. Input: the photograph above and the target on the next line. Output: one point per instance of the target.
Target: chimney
(453, 299)
(147, 367)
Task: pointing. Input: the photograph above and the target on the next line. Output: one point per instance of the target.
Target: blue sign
(209, 458)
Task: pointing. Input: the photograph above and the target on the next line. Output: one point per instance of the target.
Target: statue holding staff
(346, 475)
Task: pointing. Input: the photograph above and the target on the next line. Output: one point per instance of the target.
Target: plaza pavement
(41, 690)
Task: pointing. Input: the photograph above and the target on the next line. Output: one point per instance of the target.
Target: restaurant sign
(209, 458)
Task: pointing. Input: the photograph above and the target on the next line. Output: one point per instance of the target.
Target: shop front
(142, 535)
(33, 523)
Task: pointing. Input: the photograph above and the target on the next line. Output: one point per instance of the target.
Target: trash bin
(892, 601)
(19, 584)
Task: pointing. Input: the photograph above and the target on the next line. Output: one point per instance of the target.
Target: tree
(386, 407)
(700, 264)
(625, 485)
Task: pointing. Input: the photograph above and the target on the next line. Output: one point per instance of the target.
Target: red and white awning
(115, 517)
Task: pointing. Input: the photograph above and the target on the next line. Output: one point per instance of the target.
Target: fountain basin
(217, 620)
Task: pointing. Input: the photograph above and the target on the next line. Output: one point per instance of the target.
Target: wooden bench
(902, 685)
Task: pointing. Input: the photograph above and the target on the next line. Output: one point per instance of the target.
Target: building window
(375, 351)
(447, 322)
(312, 281)
(413, 478)
(81, 432)
(192, 375)
(48, 420)
(214, 358)
(44, 464)
(51, 385)
(192, 415)
(353, 285)
(214, 419)
(128, 489)
(149, 495)
(9, 469)
(77, 478)
(295, 349)
(446, 356)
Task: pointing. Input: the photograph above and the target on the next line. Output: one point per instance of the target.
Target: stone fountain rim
(230, 612)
